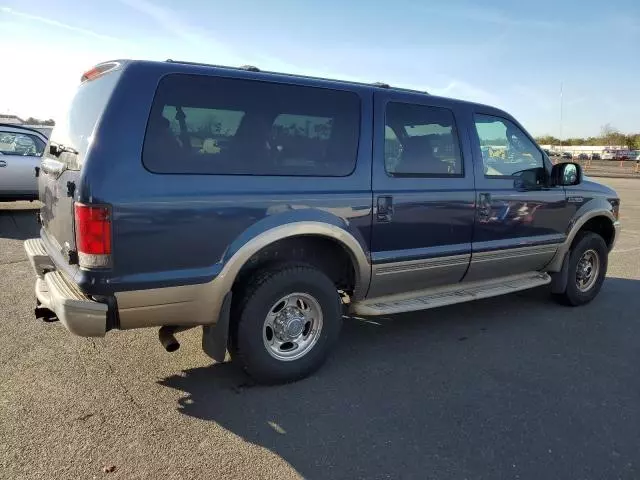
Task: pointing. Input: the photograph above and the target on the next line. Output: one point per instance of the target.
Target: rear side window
(12, 143)
(213, 125)
(74, 129)
(421, 141)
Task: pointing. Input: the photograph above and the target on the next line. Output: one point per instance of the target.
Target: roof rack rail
(170, 60)
(249, 68)
(411, 90)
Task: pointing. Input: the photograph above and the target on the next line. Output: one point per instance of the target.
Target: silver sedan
(20, 152)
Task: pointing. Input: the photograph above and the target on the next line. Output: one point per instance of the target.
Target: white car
(20, 152)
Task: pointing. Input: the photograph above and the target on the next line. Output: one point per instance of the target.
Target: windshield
(73, 132)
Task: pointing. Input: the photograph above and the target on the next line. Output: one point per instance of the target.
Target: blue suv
(263, 206)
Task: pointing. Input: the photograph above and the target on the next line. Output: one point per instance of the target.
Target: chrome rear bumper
(78, 313)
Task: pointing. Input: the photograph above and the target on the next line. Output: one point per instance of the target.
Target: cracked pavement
(510, 387)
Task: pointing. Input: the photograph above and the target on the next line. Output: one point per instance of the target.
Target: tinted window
(12, 143)
(421, 141)
(75, 128)
(201, 124)
(506, 149)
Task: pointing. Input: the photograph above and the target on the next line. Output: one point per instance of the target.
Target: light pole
(560, 117)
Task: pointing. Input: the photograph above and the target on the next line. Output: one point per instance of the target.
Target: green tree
(633, 141)
(547, 140)
(37, 121)
(609, 134)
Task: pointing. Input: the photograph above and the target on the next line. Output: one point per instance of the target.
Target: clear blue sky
(510, 53)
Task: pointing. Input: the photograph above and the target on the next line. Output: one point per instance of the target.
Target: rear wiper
(56, 149)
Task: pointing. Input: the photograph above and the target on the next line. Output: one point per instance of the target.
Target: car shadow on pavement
(18, 224)
(479, 389)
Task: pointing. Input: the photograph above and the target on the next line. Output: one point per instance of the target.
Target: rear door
(520, 221)
(19, 155)
(423, 189)
(69, 146)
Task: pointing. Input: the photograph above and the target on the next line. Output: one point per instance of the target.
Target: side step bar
(448, 295)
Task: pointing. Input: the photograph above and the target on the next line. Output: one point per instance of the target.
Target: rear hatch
(68, 148)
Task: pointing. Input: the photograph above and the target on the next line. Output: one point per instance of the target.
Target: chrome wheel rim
(292, 326)
(587, 270)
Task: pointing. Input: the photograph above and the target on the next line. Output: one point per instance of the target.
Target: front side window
(506, 150)
(213, 125)
(12, 143)
(421, 141)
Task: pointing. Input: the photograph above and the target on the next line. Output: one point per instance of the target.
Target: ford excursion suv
(263, 207)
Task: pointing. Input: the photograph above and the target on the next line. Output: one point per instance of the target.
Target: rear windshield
(214, 125)
(74, 129)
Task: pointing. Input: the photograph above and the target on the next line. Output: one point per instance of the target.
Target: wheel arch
(238, 257)
(596, 217)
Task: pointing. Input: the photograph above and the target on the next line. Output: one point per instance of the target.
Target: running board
(448, 295)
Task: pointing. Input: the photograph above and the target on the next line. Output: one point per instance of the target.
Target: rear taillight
(93, 235)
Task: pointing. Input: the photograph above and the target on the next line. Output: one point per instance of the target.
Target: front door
(520, 221)
(423, 194)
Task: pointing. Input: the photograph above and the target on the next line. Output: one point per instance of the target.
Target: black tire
(250, 311)
(572, 295)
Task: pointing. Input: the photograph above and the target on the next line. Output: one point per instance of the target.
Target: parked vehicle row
(605, 155)
(263, 206)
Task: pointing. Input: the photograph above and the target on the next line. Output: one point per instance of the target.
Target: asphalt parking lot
(511, 387)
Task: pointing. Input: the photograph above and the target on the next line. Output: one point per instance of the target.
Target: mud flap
(214, 337)
(559, 279)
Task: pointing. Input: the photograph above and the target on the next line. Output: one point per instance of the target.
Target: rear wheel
(586, 271)
(286, 321)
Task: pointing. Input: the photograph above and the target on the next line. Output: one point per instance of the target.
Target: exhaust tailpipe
(167, 338)
(44, 314)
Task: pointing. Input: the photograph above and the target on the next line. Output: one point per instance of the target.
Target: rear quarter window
(213, 125)
(74, 129)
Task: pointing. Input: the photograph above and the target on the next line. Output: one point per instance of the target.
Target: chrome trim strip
(518, 242)
(439, 251)
(506, 254)
(418, 265)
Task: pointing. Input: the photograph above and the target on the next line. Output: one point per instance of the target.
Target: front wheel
(285, 323)
(586, 271)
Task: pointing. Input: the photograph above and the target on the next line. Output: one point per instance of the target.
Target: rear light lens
(91, 74)
(93, 235)
(98, 71)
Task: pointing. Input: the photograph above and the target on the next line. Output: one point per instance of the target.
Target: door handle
(484, 204)
(3, 163)
(385, 208)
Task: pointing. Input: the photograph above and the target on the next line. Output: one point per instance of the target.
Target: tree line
(36, 121)
(609, 136)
